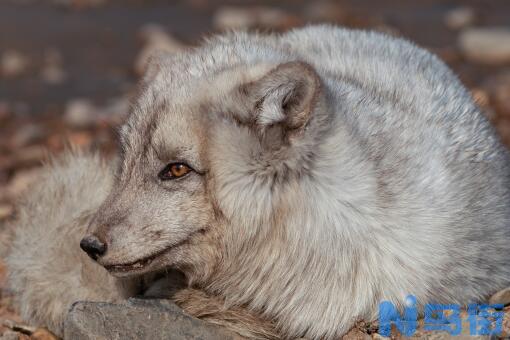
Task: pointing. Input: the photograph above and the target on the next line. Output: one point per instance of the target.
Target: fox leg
(212, 309)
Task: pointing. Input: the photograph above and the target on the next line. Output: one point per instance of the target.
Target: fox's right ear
(286, 96)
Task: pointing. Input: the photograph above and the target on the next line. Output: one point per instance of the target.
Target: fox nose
(93, 246)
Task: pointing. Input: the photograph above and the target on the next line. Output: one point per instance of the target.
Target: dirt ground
(68, 67)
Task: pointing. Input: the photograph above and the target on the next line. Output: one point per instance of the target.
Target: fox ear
(285, 96)
(154, 64)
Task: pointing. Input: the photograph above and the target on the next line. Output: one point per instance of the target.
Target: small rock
(501, 297)
(9, 335)
(81, 139)
(506, 324)
(80, 113)
(29, 156)
(486, 45)
(356, 334)
(227, 18)
(21, 181)
(155, 38)
(6, 211)
(13, 63)
(27, 134)
(52, 71)
(321, 11)
(116, 110)
(377, 336)
(137, 319)
(460, 17)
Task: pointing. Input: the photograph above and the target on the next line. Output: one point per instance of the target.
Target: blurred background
(68, 67)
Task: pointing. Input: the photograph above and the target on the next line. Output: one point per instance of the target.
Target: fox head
(205, 163)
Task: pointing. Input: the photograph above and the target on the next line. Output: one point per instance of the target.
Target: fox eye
(174, 171)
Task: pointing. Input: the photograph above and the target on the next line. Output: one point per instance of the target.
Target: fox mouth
(139, 266)
(136, 265)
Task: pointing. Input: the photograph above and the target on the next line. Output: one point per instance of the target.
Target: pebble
(502, 297)
(377, 336)
(116, 110)
(486, 45)
(227, 18)
(13, 63)
(155, 38)
(320, 11)
(460, 17)
(6, 211)
(356, 334)
(21, 181)
(80, 113)
(27, 134)
(9, 335)
(506, 324)
(81, 139)
(52, 71)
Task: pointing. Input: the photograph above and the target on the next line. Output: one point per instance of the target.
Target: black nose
(93, 246)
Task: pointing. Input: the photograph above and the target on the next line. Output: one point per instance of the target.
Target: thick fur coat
(326, 170)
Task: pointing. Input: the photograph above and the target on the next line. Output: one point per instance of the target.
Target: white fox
(297, 181)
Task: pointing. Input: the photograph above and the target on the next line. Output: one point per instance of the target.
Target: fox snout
(93, 246)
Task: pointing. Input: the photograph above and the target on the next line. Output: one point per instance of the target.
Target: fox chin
(295, 180)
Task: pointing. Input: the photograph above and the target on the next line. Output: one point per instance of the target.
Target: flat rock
(460, 17)
(490, 45)
(13, 63)
(227, 18)
(137, 319)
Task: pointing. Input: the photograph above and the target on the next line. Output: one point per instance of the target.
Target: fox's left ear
(286, 96)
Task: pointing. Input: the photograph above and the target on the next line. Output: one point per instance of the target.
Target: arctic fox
(297, 181)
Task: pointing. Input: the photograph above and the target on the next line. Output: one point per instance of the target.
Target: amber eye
(174, 171)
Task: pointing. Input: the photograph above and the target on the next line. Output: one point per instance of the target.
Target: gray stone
(9, 335)
(490, 45)
(460, 17)
(137, 319)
